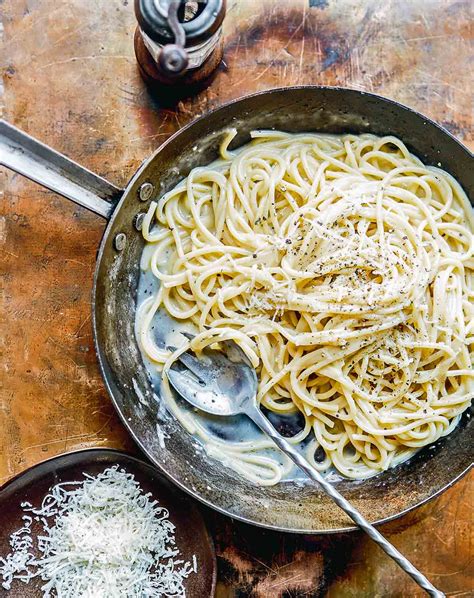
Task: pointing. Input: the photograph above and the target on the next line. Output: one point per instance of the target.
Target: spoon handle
(262, 422)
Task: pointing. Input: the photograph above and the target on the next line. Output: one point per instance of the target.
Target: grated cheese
(100, 538)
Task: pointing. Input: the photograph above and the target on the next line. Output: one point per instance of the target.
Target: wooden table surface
(71, 80)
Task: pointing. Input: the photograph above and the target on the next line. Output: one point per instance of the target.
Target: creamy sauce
(237, 428)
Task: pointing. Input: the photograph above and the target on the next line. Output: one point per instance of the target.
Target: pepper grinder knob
(173, 60)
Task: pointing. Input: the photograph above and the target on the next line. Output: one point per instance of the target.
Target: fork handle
(262, 422)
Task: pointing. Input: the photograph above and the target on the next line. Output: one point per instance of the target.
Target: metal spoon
(227, 385)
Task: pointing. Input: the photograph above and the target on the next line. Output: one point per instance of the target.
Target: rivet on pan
(120, 241)
(146, 191)
(138, 220)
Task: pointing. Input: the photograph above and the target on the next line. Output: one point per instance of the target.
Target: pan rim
(101, 357)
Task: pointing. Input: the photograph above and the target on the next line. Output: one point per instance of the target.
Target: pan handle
(40, 163)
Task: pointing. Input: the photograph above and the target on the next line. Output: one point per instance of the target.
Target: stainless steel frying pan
(286, 507)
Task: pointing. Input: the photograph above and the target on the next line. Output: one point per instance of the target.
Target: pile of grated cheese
(100, 538)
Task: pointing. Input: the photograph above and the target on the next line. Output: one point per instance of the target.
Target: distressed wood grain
(70, 79)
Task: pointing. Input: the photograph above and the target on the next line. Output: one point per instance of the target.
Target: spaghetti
(344, 268)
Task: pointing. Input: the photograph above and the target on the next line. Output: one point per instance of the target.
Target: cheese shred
(102, 537)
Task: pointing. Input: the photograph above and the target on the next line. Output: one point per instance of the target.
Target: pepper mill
(178, 44)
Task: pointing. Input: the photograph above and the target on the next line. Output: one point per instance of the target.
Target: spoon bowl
(216, 383)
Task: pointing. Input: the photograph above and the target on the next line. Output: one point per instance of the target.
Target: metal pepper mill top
(178, 44)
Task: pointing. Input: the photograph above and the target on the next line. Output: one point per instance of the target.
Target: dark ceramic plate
(191, 534)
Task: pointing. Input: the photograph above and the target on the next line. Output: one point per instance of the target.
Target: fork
(226, 384)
